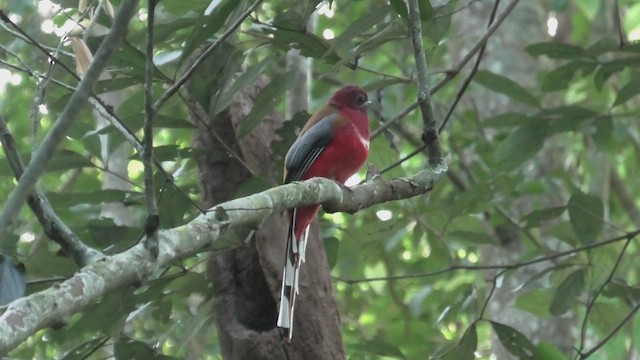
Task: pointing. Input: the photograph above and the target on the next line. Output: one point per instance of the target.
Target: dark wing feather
(306, 149)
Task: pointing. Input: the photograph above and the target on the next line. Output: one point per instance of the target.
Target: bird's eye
(361, 99)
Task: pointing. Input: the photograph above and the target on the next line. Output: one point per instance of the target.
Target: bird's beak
(366, 104)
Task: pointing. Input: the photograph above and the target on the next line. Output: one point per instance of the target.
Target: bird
(333, 144)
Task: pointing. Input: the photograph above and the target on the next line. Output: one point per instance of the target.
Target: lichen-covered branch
(27, 315)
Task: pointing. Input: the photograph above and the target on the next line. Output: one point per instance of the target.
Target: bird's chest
(344, 156)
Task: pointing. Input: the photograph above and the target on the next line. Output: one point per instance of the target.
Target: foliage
(411, 276)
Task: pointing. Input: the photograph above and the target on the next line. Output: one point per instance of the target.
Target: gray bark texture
(246, 279)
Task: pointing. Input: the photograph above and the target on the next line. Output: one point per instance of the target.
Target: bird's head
(350, 96)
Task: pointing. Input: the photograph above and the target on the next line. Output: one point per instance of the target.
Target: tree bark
(247, 279)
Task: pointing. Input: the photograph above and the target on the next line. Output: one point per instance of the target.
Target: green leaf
(213, 74)
(69, 199)
(84, 350)
(426, 10)
(569, 289)
(603, 45)
(173, 205)
(394, 30)
(379, 347)
(537, 217)
(622, 291)
(294, 15)
(556, 50)
(104, 86)
(168, 153)
(521, 145)
(604, 132)
(466, 348)
(177, 7)
(207, 25)
(536, 302)
(357, 27)
(107, 234)
(108, 315)
(265, 102)
(190, 283)
(549, 351)
(127, 348)
(586, 215)
(400, 7)
(473, 200)
(247, 78)
(506, 86)
(516, 343)
(590, 8)
(546, 272)
(606, 315)
(568, 111)
(67, 159)
(607, 69)
(331, 248)
(472, 237)
(628, 91)
(508, 119)
(309, 44)
(439, 23)
(560, 77)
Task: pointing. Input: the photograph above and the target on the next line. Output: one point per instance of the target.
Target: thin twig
(430, 131)
(494, 285)
(57, 132)
(451, 73)
(152, 223)
(452, 268)
(606, 339)
(474, 70)
(36, 75)
(187, 74)
(393, 120)
(591, 303)
(622, 40)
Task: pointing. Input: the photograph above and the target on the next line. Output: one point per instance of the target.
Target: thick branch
(40, 159)
(27, 315)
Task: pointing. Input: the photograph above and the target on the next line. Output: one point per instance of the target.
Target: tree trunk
(246, 279)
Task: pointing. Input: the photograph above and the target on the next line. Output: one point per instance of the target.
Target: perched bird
(333, 144)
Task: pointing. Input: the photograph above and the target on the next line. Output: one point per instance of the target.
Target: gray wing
(306, 149)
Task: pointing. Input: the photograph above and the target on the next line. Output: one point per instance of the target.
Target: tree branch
(451, 73)
(39, 160)
(152, 222)
(52, 225)
(27, 315)
(430, 132)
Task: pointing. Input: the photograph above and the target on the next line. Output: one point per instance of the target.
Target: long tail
(290, 276)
